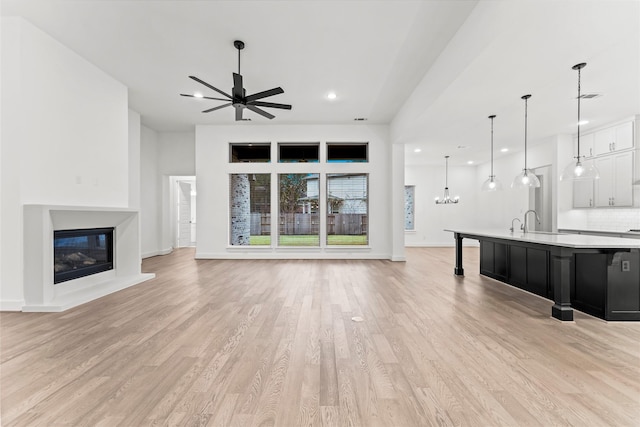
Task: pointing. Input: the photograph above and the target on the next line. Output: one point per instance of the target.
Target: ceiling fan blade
(264, 94)
(216, 108)
(239, 114)
(209, 86)
(259, 111)
(203, 97)
(238, 91)
(270, 105)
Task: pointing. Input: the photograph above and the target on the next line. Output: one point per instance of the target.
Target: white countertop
(584, 241)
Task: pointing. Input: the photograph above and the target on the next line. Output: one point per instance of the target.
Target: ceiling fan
(239, 98)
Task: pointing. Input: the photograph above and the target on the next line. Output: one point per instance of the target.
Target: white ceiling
(435, 69)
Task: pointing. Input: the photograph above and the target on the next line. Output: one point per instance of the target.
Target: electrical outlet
(626, 265)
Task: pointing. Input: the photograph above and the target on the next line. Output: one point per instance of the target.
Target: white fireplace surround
(40, 221)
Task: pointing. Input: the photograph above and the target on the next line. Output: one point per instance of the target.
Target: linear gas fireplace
(79, 253)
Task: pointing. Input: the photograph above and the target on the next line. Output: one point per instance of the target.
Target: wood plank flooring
(244, 343)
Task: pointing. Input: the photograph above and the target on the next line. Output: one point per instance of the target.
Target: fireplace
(82, 252)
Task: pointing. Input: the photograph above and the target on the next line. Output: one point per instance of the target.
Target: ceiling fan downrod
(239, 44)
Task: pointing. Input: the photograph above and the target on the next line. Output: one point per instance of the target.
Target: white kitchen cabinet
(586, 145)
(614, 188)
(583, 193)
(615, 138)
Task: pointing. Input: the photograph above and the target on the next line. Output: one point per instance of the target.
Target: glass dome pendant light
(527, 178)
(491, 184)
(446, 199)
(576, 170)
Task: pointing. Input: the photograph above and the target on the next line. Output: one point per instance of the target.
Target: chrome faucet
(525, 227)
(515, 219)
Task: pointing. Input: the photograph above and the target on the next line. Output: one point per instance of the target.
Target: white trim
(292, 254)
(11, 305)
(86, 295)
(472, 243)
(156, 253)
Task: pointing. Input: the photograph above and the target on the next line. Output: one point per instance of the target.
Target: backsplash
(619, 219)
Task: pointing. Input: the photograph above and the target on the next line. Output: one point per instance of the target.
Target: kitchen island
(595, 274)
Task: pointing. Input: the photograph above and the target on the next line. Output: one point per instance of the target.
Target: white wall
(150, 195)
(163, 155)
(64, 138)
(76, 130)
(478, 209)
(11, 295)
(134, 159)
(432, 219)
(497, 209)
(213, 169)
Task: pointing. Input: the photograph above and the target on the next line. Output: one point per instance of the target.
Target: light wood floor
(227, 343)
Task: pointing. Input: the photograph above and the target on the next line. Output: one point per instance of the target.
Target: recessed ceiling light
(470, 162)
(197, 94)
(583, 122)
(417, 150)
(332, 95)
(504, 150)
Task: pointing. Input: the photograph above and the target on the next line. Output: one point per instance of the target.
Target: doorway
(184, 212)
(540, 199)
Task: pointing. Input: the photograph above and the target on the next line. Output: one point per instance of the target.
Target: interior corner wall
(212, 180)
(64, 138)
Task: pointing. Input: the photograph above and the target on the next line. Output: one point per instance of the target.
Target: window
(347, 209)
(250, 209)
(409, 207)
(298, 199)
(250, 153)
(347, 152)
(299, 153)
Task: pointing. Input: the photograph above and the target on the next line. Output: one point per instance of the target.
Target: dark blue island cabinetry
(594, 274)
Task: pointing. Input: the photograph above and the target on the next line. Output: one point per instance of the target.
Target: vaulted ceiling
(433, 69)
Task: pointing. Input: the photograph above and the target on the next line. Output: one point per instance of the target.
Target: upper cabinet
(610, 140)
(614, 186)
(611, 149)
(586, 145)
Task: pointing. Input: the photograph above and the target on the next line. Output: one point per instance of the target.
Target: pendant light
(446, 199)
(491, 184)
(576, 170)
(527, 178)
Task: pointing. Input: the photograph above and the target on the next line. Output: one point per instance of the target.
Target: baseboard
(156, 253)
(66, 302)
(293, 254)
(441, 245)
(11, 305)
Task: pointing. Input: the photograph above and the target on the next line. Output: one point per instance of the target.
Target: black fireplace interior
(79, 253)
